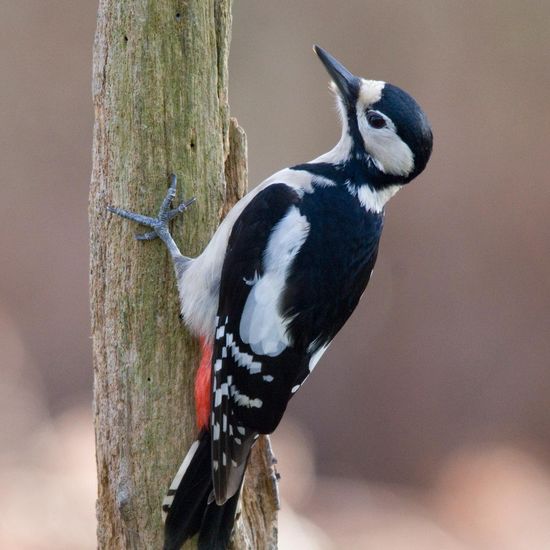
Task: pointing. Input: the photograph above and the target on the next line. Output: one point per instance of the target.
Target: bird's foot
(159, 225)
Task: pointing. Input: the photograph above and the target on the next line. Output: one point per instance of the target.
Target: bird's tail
(189, 506)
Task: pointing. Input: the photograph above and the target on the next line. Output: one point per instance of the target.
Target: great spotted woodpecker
(277, 281)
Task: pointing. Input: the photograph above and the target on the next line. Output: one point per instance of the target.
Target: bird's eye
(375, 120)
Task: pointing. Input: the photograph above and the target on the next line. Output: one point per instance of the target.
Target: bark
(160, 100)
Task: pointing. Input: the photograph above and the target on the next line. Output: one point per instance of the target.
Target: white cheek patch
(262, 326)
(388, 151)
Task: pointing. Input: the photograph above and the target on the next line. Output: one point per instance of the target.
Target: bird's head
(383, 124)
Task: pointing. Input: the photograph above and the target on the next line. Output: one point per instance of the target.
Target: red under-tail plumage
(203, 380)
(187, 506)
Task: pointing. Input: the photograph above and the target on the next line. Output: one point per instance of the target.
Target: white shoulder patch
(262, 325)
(299, 180)
(199, 284)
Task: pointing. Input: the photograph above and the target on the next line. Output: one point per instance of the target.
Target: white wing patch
(199, 284)
(262, 326)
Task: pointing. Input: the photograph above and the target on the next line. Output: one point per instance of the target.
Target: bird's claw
(149, 236)
(160, 223)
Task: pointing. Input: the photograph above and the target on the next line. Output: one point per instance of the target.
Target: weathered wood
(160, 99)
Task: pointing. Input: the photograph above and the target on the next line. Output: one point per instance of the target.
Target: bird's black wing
(295, 267)
(251, 377)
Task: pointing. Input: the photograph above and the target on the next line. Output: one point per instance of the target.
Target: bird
(279, 278)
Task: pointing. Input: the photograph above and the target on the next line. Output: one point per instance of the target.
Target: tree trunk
(160, 99)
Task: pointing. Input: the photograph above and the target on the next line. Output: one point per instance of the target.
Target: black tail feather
(189, 511)
(217, 524)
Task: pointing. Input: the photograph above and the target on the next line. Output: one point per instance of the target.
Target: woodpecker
(275, 284)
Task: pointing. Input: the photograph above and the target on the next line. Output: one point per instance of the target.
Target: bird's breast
(333, 267)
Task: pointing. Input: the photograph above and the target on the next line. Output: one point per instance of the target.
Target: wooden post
(160, 99)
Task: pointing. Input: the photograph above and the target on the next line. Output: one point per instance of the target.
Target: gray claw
(170, 194)
(181, 208)
(139, 218)
(159, 225)
(150, 236)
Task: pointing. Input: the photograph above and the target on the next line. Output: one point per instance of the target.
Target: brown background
(436, 392)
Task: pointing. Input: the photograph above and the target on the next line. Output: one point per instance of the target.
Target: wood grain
(161, 106)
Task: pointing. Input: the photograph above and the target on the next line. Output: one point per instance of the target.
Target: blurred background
(426, 423)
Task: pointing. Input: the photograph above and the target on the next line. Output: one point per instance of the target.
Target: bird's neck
(348, 162)
(339, 154)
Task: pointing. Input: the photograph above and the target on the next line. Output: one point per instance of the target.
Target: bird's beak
(347, 83)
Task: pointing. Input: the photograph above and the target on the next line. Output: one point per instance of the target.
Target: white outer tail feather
(169, 498)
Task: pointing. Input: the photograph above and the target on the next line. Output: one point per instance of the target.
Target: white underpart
(341, 151)
(199, 284)
(262, 326)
